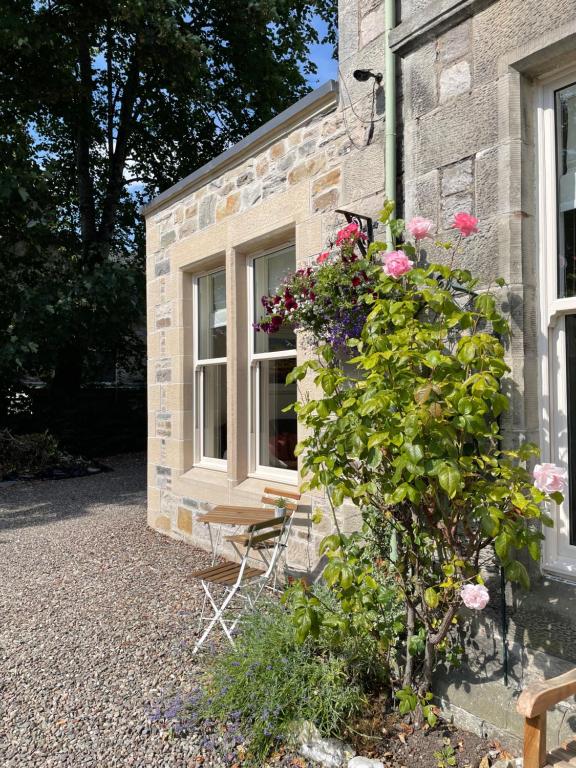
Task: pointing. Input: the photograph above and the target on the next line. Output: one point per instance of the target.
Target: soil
(398, 744)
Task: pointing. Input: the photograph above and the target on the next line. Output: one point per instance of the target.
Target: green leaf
(450, 479)
(516, 571)
(431, 598)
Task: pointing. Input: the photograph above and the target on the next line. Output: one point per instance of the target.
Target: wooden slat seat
(533, 704)
(227, 573)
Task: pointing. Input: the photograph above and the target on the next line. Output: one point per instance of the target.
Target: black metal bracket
(367, 227)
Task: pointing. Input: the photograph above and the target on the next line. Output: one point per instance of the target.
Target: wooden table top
(223, 515)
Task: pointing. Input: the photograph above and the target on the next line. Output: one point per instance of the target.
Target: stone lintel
(432, 21)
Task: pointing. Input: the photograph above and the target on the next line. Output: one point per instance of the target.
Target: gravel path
(96, 615)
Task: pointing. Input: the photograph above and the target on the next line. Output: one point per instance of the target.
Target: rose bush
(412, 438)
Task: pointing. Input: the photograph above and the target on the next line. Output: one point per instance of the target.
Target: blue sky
(322, 56)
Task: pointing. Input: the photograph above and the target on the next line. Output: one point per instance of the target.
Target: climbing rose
(420, 228)
(549, 478)
(475, 596)
(322, 258)
(396, 264)
(465, 223)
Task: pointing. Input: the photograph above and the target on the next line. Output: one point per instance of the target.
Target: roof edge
(323, 96)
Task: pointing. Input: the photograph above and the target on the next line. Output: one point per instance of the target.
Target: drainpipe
(390, 150)
(390, 94)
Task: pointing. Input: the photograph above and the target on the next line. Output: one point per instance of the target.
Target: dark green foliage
(104, 104)
(30, 454)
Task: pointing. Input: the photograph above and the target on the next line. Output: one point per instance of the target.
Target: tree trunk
(409, 666)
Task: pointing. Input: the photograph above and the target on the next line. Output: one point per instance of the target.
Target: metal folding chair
(242, 581)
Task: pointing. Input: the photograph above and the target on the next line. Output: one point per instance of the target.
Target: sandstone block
(286, 162)
(207, 211)
(455, 80)
(188, 228)
(455, 44)
(308, 148)
(262, 167)
(371, 26)
(277, 150)
(273, 184)
(251, 195)
(162, 268)
(228, 207)
(185, 520)
(191, 211)
(163, 369)
(458, 177)
(421, 87)
(294, 138)
(422, 196)
(245, 178)
(164, 315)
(167, 238)
(297, 173)
(162, 523)
(326, 201)
(330, 179)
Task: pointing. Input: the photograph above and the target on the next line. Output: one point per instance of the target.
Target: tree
(118, 100)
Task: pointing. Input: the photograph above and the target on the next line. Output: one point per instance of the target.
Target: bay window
(210, 369)
(273, 432)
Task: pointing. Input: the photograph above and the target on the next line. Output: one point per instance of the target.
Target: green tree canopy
(104, 104)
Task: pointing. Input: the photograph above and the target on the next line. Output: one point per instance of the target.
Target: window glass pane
(278, 434)
(269, 272)
(214, 411)
(212, 316)
(566, 171)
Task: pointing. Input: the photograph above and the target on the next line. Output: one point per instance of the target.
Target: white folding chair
(242, 580)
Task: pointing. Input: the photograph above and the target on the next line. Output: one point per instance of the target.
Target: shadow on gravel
(43, 502)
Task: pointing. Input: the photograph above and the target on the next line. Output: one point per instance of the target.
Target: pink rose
(549, 478)
(396, 264)
(322, 258)
(420, 228)
(465, 223)
(475, 596)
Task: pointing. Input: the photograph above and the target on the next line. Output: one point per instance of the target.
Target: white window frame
(257, 470)
(558, 555)
(207, 462)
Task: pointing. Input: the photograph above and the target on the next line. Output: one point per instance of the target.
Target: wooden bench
(533, 704)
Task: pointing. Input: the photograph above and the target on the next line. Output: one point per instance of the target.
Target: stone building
(486, 123)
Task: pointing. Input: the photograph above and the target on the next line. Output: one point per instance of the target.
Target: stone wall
(470, 72)
(284, 184)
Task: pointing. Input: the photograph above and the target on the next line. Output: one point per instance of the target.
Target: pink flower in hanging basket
(322, 258)
(349, 234)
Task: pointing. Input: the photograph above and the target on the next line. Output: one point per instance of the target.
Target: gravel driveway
(96, 613)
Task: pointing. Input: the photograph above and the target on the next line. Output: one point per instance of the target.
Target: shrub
(30, 454)
(270, 681)
(413, 438)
